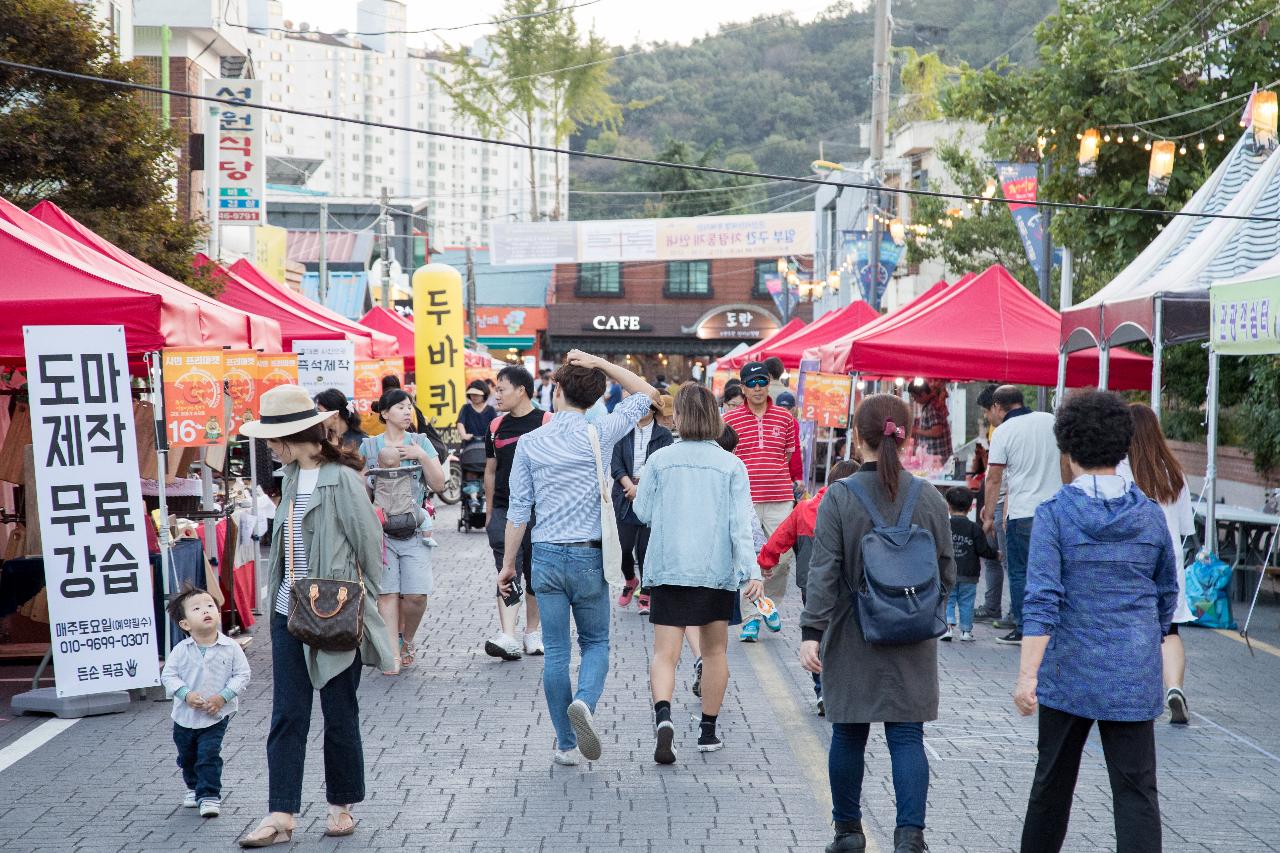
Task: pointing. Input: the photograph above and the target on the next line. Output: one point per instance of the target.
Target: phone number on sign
(124, 641)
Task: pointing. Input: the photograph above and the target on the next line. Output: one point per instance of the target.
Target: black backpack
(900, 600)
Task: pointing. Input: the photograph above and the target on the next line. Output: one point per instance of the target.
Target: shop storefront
(511, 332)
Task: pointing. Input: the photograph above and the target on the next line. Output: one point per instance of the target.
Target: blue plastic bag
(1207, 581)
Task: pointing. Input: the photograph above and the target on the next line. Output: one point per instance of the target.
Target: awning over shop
(508, 343)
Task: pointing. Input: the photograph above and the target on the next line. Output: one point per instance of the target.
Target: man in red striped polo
(767, 437)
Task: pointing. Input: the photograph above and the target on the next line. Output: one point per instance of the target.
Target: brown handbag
(324, 613)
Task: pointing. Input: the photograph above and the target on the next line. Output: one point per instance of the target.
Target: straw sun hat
(286, 409)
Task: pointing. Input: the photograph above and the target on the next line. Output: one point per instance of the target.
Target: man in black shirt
(519, 417)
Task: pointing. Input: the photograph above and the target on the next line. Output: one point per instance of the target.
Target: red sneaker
(642, 600)
(628, 590)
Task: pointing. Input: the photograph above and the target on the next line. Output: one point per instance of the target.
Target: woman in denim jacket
(696, 500)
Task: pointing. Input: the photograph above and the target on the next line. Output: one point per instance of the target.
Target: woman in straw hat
(328, 529)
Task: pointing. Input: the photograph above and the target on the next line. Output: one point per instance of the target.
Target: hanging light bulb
(898, 231)
(1222, 137)
(1079, 135)
(1087, 157)
(1182, 149)
(1106, 137)
(1147, 147)
(1200, 145)
(1161, 167)
(1134, 137)
(1264, 115)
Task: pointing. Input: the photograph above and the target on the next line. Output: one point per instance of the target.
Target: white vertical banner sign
(240, 152)
(96, 566)
(327, 364)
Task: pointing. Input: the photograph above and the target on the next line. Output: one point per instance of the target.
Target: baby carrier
(393, 496)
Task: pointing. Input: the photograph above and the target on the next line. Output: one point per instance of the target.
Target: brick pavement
(458, 756)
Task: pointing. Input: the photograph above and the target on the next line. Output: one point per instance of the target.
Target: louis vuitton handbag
(325, 613)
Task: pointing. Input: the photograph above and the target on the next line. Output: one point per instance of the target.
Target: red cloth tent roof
(987, 328)
(382, 343)
(791, 327)
(832, 356)
(219, 324)
(826, 328)
(389, 322)
(294, 324)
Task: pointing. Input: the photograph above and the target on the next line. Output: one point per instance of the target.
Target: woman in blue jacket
(697, 503)
(1101, 592)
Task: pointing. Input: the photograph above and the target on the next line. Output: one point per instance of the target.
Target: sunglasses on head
(757, 382)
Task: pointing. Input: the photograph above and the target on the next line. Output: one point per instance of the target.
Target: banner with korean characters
(369, 373)
(327, 364)
(278, 368)
(438, 311)
(194, 413)
(394, 367)
(240, 378)
(97, 571)
(241, 152)
(825, 399)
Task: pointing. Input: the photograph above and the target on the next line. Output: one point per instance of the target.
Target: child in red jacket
(796, 533)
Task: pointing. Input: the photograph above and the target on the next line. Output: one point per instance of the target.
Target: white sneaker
(533, 642)
(190, 801)
(567, 757)
(581, 719)
(946, 638)
(966, 636)
(503, 646)
(211, 807)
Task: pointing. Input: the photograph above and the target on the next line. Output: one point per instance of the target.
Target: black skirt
(686, 606)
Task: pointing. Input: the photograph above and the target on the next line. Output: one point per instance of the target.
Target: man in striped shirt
(555, 468)
(768, 436)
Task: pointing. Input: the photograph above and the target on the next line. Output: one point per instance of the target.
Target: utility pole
(880, 85)
(212, 180)
(386, 249)
(471, 295)
(324, 255)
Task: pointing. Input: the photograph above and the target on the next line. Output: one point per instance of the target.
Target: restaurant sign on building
(735, 323)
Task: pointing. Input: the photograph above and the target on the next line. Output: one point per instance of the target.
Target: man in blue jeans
(1025, 459)
(555, 468)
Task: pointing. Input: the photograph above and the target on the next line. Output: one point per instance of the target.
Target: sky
(621, 22)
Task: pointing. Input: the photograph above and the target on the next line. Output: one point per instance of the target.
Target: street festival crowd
(605, 491)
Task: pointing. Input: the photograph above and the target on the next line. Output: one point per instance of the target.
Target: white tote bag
(610, 546)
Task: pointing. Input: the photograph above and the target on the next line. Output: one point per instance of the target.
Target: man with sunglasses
(768, 436)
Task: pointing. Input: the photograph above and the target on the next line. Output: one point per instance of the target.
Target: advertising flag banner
(825, 399)
(278, 368)
(394, 367)
(438, 323)
(240, 377)
(369, 373)
(97, 571)
(1019, 182)
(890, 254)
(327, 364)
(193, 404)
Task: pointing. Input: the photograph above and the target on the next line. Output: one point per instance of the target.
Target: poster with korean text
(193, 404)
(825, 399)
(97, 570)
(327, 364)
(241, 151)
(369, 374)
(240, 378)
(438, 340)
(278, 368)
(394, 367)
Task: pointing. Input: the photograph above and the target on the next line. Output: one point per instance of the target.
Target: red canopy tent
(830, 326)
(833, 355)
(791, 327)
(220, 325)
(390, 323)
(987, 328)
(382, 344)
(294, 324)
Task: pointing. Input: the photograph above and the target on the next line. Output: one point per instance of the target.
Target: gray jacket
(862, 683)
(339, 530)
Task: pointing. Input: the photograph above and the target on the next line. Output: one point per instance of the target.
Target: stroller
(474, 512)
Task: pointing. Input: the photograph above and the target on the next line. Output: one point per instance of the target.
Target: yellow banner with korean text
(439, 335)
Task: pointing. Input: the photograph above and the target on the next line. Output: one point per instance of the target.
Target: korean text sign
(280, 368)
(193, 406)
(327, 364)
(240, 372)
(97, 570)
(1245, 317)
(241, 151)
(825, 399)
(438, 342)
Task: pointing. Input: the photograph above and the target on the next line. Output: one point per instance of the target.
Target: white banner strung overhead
(96, 565)
(767, 235)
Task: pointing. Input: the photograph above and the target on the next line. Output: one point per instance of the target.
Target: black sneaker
(665, 751)
(822, 707)
(1177, 703)
(985, 615)
(709, 742)
(1013, 638)
(697, 678)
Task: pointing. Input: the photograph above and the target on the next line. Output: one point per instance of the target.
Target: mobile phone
(517, 592)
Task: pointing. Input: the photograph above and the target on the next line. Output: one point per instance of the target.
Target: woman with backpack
(873, 612)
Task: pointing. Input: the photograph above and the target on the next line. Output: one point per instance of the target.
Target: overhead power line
(424, 31)
(636, 161)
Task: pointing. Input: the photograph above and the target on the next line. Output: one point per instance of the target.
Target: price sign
(274, 369)
(369, 373)
(193, 401)
(240, 376)
(825, 399)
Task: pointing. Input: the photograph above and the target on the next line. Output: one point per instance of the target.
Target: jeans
(910, 770)
(1018, 545)
(1130, 753)
(634, 539)
(993, 570)
(961, 598)
(291, 698)
(571, 581)
(200, 757)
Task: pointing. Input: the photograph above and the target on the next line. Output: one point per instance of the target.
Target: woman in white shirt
(1152, 465)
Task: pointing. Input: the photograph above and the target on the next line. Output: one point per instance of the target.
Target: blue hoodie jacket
(1102, 585)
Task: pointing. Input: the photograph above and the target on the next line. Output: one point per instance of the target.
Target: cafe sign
(735, 322)
(616, 323)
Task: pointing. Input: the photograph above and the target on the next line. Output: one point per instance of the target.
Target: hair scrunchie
(890, 428)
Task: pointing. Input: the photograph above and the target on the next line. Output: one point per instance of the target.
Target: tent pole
(853, 404)
(1211, 461)
(1061, 389)
(1104, 366)
(155, 376)
(1157, 356)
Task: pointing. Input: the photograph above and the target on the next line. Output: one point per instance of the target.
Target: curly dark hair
(1094, 428)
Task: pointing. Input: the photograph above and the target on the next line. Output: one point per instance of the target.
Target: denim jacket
(696, 499)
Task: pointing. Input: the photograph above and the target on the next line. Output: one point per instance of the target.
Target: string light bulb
(1079, 136)
(1200, 145)
(1182, 149)
(1147, 147)
(1135, 137)
(1222, 137)
(1106, 137)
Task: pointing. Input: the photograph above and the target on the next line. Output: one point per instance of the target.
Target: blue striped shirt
(555, 468)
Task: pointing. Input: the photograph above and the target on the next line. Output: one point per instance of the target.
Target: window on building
(765, 269)
(599, 280)
(688, 278)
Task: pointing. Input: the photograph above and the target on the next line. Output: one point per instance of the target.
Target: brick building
(663, 317)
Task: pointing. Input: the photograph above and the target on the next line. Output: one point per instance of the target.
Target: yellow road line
(1257, 644)
(805, 745)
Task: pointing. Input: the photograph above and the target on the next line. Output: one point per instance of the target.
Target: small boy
(393, 488)
(205, 674)
(969, 543)
(796, 532)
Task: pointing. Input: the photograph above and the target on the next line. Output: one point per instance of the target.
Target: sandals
(331, 828)
(279, 835)
(407, 653)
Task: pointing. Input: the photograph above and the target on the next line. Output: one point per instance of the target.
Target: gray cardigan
(862, 683)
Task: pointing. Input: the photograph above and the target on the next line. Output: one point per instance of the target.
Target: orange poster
(394, 367)
(241, 377)
(369, 373)
(826, 399)
(719, 379)
(280, 368)
(193, 404)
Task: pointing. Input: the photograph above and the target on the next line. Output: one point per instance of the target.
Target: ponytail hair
(883, 423)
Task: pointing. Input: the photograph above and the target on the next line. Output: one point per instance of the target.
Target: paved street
(458, 756)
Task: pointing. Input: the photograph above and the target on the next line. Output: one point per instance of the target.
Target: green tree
(95, 150)
(536, 74)
(692, 193)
